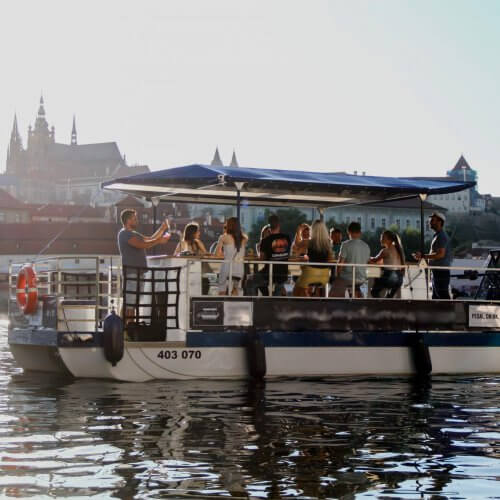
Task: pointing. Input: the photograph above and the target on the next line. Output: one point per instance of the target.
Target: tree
(290, 218)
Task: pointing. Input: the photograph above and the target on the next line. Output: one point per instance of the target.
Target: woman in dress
(391, 254)
(231, 247)
(191, 243)
(319, 249)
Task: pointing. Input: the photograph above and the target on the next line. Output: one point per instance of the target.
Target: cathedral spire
(41, 125)
(73, 132)
(234, 161)
(216, 162)
(41, 109)
(15, 131)
(14, 148)
(15, 137)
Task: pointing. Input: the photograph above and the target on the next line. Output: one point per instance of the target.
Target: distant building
(12, 210)
(401, 214)
(463, 202)
(48, 171)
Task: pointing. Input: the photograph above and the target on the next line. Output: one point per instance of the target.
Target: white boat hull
(140, 364)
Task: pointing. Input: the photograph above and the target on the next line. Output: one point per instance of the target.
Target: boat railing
(94, 284)
(362, 273)
(76, 292)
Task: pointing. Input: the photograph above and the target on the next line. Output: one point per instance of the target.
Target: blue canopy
(268, 187)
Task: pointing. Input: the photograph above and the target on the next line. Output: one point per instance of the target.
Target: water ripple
(322, 438)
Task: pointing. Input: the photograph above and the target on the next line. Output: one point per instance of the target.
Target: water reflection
(326, 438)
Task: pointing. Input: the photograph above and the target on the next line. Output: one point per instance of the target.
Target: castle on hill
(46, 171)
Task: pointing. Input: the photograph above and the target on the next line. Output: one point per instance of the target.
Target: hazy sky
(387, 87)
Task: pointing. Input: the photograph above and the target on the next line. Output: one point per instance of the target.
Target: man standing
(275, 247)
(352, 251)
(133, 245)
(440, 255)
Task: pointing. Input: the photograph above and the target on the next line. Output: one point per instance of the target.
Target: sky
(388, 87)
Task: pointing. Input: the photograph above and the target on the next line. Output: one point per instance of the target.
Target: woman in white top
(191, 242)
(231, 247)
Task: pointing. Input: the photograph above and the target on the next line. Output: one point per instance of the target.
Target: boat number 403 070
(184, 354)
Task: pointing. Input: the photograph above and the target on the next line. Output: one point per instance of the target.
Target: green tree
(290, 218)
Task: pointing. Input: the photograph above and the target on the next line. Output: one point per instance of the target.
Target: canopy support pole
(239, 187)
(154, 202)
(422, 197)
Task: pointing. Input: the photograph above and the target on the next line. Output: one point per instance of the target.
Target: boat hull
(140, 364)
(310, 354)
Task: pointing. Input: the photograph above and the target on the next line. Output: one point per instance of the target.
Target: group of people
(312, 244)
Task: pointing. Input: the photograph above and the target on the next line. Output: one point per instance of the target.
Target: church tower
(216, 161)
(39, 139)
(14, 151)
(73, 133)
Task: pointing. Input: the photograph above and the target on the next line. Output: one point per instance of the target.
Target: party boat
(70, 318)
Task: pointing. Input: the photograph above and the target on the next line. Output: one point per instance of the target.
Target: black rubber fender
(421, 356)
(256, 355)
(113, 341)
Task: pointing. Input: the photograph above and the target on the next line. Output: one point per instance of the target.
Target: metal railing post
(97, 275)
(270, 283)
(353, 293)
(188, 301)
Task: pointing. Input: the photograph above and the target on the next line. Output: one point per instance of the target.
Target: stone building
(463, 202)
(48, 171)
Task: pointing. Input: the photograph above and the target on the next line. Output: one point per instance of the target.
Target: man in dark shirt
(275, 247)
(440, 255)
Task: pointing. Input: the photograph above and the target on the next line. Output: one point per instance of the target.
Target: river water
(322, 438)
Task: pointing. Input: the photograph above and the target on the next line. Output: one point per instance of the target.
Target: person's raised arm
(159, 232)
(136, 242)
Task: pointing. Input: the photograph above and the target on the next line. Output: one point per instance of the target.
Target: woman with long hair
(319, 249)
(264, 233)
(301, 240)
(231, 247)
(391, 254)
(191, 243)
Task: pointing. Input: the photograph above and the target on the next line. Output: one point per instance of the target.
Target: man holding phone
(132, 246)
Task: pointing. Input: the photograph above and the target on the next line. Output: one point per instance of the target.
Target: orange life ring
(26, 290)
